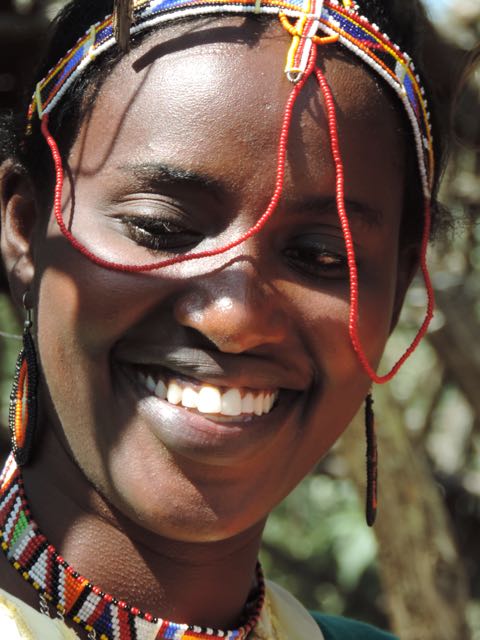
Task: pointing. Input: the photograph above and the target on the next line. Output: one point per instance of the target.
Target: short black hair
(404, 21)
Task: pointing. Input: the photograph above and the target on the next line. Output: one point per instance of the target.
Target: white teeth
(161, 390)
(174, 393)
(258, 405)
(231, 403)
(209, 400)
(247, 403)
(189, 398)
(151, 384)
(267, 403)
(271, 401)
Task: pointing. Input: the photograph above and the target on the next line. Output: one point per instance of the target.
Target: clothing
(19, 621)
(336, 628)
(283, 618)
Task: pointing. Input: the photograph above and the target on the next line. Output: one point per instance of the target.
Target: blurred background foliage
(418, 571)
(316, 542)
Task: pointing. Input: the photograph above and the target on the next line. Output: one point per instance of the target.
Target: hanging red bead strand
(261, 222)
(279, 183)
(352, 265)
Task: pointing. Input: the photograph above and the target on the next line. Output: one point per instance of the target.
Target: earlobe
(18, 218)
(408, 263)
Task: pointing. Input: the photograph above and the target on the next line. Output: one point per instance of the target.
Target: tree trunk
(457, 342)
(422, 574)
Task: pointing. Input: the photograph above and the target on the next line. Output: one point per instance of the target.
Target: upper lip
(217, 368)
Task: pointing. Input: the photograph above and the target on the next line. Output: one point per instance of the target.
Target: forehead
(210, 94)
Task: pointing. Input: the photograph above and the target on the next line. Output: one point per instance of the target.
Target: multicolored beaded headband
(343, 23)
(338, 22)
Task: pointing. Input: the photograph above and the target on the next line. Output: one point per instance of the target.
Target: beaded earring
(23, 398)
(372, 462)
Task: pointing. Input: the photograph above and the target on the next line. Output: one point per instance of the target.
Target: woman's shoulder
(337, 628)
(296, 623)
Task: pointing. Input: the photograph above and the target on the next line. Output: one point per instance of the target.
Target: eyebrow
(355, 209)
(155, 174)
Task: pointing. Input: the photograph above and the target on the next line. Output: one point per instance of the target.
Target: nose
(234, 309)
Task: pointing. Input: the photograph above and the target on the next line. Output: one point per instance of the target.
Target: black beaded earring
(372, 462)
(22, 416)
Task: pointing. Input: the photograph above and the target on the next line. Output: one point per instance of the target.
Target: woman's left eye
(318, 260)
(158, 234)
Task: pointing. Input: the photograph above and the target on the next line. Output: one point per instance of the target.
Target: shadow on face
(180, 153)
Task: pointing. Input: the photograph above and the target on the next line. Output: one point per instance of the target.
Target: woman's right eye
(158, 234)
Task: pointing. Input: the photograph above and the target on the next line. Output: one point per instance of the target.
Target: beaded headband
(339, 22)
(343, 22)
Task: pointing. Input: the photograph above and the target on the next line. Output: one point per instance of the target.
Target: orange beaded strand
(21, 409)
(23, 399)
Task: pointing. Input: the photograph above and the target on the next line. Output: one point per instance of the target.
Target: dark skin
(133, 493)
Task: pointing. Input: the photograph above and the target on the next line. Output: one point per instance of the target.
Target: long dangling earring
(372, 461)
(23, 398)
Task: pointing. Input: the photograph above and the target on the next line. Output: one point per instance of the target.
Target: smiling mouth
(204, 398)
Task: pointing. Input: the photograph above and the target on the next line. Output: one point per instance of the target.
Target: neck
(204, 584)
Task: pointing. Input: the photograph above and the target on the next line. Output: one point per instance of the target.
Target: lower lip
(211, 439)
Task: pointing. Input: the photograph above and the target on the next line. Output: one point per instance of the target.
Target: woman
(194, 356)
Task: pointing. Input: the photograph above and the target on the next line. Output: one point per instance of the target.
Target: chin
(160, 499)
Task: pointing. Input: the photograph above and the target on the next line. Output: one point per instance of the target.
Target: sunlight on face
(184, 156)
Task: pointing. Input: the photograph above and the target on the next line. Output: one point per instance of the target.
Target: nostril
(233, 323)
(242, 332)
(200, 340)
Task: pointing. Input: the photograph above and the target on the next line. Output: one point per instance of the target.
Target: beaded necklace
(101, 615)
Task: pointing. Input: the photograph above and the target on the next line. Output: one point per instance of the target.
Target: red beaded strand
(118, 266)
(279, 182)
(352, 265)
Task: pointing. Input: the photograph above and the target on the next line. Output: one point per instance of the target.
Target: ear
(408, 263)
(18, 212)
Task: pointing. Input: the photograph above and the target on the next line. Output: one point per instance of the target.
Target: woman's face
(179, 153)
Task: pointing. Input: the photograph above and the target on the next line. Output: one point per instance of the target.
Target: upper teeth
(210, 399)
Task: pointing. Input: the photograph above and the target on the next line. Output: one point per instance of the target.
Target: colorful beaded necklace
(340, 22)
(101, 615)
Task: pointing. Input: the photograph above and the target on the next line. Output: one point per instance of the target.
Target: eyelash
(159, 235)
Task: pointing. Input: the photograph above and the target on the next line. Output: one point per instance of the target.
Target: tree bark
(422, 574)
(457, 342)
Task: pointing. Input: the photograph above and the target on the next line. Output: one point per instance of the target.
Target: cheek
(342, 384)
(376, 301)
(85, 306)
(82, 311)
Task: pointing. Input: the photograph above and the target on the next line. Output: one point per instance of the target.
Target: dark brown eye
(329, 260)
(318, 261)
